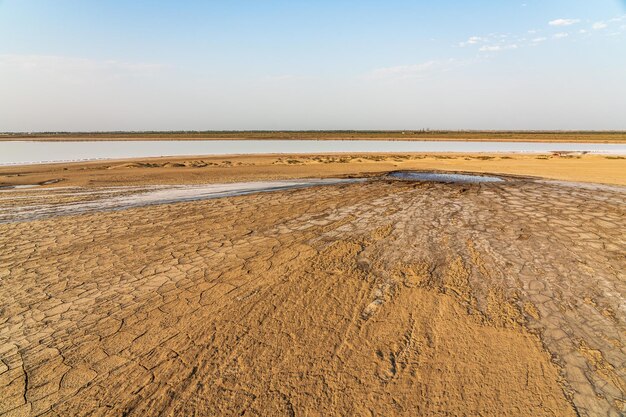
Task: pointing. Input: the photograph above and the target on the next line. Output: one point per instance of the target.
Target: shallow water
(443, 177)
(18, 152)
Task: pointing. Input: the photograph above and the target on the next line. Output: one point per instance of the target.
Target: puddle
(443, 177)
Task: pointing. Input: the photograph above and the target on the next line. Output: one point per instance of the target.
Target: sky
(85, 65)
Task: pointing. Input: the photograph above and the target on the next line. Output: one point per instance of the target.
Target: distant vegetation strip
(429, 135)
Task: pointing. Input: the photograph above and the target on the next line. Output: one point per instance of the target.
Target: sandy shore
(375, 298)
(211, 169)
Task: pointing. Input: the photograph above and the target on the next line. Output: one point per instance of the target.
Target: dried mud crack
(377, 298)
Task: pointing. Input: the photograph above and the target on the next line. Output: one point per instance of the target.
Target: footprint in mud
(387, 366)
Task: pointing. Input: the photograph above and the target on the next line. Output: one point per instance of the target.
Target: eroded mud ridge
(377, 298)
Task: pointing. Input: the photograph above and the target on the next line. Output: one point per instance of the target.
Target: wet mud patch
(443, 177)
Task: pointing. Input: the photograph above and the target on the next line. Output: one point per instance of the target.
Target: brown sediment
(234, 168)
(376, 298)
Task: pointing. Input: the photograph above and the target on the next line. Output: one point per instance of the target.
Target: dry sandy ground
(379, 298)
(211, 169)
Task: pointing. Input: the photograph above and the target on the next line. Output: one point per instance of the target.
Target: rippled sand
(376, 298)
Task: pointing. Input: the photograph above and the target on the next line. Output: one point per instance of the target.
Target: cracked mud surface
(380, 298)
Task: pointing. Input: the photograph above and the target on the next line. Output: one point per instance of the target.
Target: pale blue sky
(342, 64)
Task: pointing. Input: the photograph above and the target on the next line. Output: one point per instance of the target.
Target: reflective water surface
(34, 152)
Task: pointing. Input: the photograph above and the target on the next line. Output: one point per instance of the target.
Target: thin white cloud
(599, 26)
(494, 42)
(497, 48)
(472, 40)
(563, 22)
